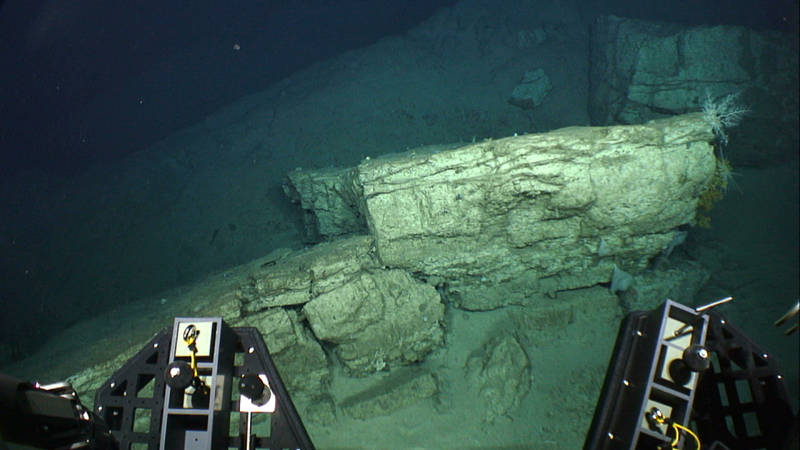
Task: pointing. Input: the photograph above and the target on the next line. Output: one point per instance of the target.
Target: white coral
(722, 114)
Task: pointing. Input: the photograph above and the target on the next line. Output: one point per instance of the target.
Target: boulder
(500, 375)
(531, 91)
(372, 316)
(378, 319)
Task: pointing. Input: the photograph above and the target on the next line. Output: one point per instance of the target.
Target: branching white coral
(722, 114)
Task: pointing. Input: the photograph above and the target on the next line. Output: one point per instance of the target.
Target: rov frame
(180, 391)
(676, 369)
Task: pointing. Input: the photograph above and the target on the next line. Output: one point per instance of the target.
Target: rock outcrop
(505, 221)
(372, 317)
(488, 224)
(643, 70)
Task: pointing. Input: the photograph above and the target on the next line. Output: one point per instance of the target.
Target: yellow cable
(678, 429)
(190, 339)
(194, 364)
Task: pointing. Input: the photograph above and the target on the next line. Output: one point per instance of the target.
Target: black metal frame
(754, 412)
(754, 390)
(139, 389)
(636, 381)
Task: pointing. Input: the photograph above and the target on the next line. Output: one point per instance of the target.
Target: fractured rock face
(372, 316)
(645, 70)
(299, 357)
(504, 221)
(377, 319)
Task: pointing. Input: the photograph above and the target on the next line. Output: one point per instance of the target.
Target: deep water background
(95, 80)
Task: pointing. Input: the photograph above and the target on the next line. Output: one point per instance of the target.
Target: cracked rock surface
(505, 221)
